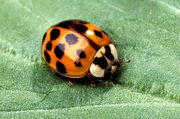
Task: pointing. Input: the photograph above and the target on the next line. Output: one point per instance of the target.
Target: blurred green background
(145, 31)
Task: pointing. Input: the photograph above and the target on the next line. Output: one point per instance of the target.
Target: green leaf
(144, 31)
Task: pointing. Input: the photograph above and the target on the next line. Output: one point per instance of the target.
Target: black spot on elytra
(65, 24)
(82, 22)
(71, 39)
(105, 33)
(60, 67)
(49, 46)
(55, 34)
(108, 53)
(81, 53)
(77, 63)
(70, 23)
(101, 62)
(80, 28)
(44, 36)
(47, 57)
(59, 50)
(99, 34)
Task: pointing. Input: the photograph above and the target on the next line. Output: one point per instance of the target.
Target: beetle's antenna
(122, 65)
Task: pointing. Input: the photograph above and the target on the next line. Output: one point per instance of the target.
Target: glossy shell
(70, 46)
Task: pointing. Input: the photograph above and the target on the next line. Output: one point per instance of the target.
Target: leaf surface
(146, 32)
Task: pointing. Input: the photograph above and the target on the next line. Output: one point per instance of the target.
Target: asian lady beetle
(77, 49)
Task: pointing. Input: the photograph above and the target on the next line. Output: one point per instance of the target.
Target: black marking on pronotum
(44, 36)
(47, 57)
(55, 34)
(108, 53)
(81, 53)
(80, 28)
(71, 39)
(59, 50)
(101, 62)
(60, 67)
(49, 46)
(77, 63)
(99, 34)
(107, 73)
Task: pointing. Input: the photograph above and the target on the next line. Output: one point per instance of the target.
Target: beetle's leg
(52, 70)
(107, 83)
(93, 84)
(70, 83)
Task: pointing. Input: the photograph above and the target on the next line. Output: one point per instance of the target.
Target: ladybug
(77, 49)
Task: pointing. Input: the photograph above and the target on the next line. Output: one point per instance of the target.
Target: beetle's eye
(116, 64)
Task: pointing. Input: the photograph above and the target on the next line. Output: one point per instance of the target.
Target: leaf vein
(112, 6)
(98, 106)
(30, 11)
(172, 8)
